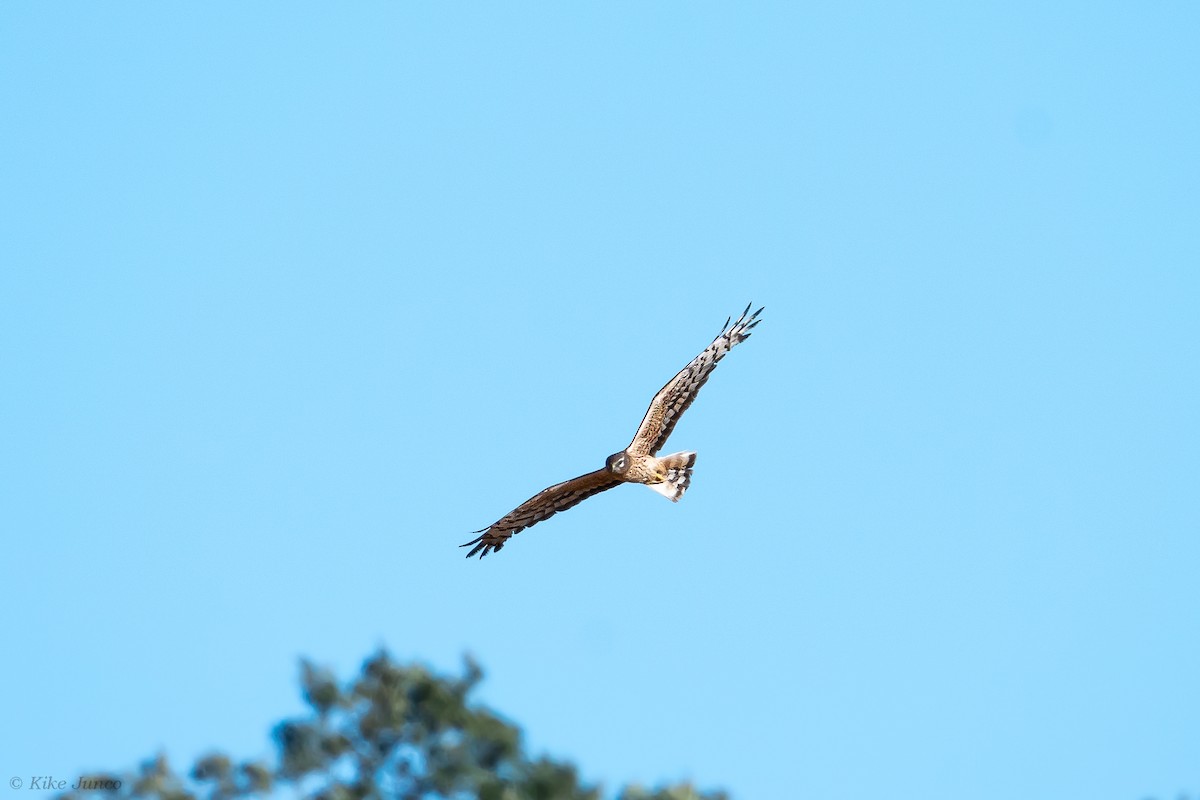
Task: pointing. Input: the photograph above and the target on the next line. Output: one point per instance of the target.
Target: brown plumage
(669, 475)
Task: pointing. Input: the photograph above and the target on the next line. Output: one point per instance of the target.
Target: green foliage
(395, 731)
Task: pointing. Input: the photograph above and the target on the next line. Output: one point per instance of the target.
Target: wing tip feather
(480, 544)
(744, 322)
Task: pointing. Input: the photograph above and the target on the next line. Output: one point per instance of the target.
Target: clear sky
(294, 296)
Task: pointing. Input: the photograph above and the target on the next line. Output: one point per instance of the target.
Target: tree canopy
(394, 731)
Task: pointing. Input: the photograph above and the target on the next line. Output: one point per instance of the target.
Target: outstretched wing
(542, 505)
(674, 398)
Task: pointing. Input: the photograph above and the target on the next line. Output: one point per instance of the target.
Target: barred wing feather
(674, 398)
(542, 505)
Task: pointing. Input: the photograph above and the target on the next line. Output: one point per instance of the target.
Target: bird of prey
(637, 463)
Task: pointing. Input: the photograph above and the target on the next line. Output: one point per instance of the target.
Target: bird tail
(678, 467)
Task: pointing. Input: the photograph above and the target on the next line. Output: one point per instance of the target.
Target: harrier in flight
(637, 463)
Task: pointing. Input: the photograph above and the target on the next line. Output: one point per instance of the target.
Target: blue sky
(295, 296)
